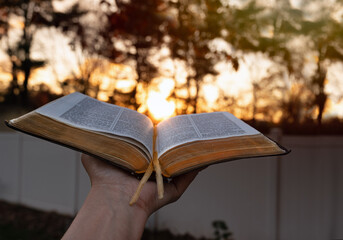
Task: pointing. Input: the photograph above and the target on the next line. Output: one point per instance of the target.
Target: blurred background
(276, 64)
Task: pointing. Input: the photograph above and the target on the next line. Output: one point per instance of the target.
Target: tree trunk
(196, 97)
(320, 96)
(26, 67)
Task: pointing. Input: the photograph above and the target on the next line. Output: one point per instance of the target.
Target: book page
(85, 112)
(194, 127)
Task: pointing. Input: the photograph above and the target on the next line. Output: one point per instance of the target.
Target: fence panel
(309, 188)
(10, 166)
(242, 193)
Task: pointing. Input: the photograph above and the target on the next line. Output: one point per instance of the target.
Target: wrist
(110, 208)
(121, 195)
(117, 198)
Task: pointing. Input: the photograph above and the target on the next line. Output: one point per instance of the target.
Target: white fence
(298, 196)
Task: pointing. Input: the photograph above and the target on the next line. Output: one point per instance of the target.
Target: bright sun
(157, 104)
(159, 107)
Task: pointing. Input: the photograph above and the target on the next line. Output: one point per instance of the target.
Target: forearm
(106, 214)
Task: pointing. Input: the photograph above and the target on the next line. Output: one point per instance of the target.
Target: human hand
(104, 175)
(106, 213)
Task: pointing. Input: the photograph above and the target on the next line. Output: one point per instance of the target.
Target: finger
(86, 161)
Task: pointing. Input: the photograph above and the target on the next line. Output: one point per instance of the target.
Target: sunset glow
(43, 76)
(258, 86)
(159, 107)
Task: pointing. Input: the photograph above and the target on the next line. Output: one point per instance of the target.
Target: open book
(125, 137)
(130, 140)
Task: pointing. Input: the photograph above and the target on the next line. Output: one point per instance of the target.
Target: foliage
(135, 33)
(19, 52)
(221, 231)
(139, 26)
(272, 31)
(197, 23)
(19, 222)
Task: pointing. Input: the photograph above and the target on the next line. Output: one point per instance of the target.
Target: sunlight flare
(211, 93)
(159, 107)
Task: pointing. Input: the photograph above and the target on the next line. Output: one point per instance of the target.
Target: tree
(87, 41)
(271, 30)
(198, 22)
(327, 37)
(265, 84)
(137, 29)
(263, 32)
(30, 15)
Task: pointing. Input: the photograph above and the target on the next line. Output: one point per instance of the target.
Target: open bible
(130, 140)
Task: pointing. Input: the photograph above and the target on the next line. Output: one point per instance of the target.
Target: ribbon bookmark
(154, 165)
(144, 179)
(159, 179)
